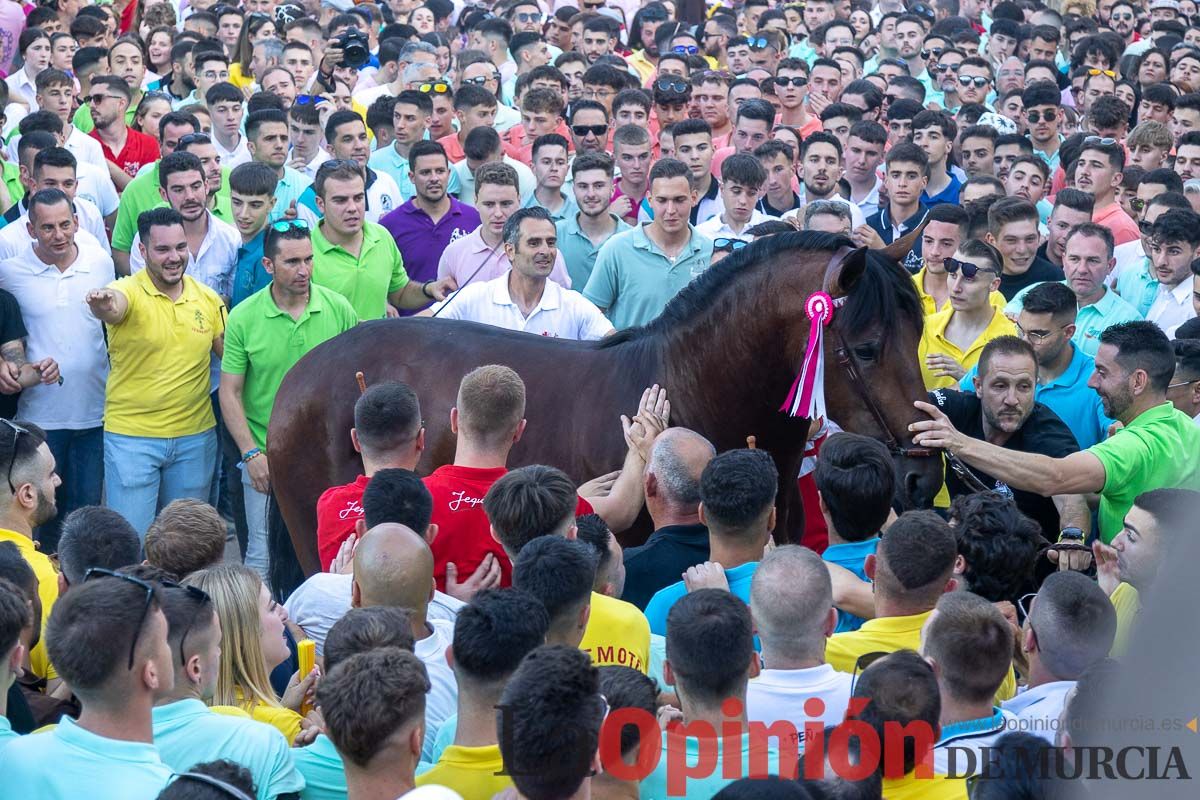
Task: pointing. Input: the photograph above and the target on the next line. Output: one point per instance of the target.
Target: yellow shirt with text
(617, 634)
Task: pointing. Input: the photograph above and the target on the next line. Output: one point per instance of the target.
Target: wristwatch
(1071, 535)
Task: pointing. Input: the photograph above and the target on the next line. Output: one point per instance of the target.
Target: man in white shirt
(791, 600)
(1174, 245)
(742, 179)
(820, 170)
(212, 244)
(45, 166)
(95, 184)
(969, 644)
(393, 566)
(50, 281)
(225, 103)
(1069, 626)
(524, 298)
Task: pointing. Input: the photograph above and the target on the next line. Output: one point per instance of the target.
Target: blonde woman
(252, 644)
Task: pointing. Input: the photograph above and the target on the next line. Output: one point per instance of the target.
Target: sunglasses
(17, 431)
(100, 572)
(478, 80)
(969, 270)
(201, 597)
(669, 86)
(943, 68)
(531, 16)
(978, 80)
(285, 225)
(1037, 116)
(97, 99)
(437, 87)
(1145, 227)
(759, 43)
(1102, 141)
(730, 244)
(1183, 383)
(864, 661)
(584, 130)
(936, 52)
(1121, 17)
(1094, 72)
(193, 138)
(685, 49)
(1137, 204)
(797, 81)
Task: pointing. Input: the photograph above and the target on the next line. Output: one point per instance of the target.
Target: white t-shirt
(324, 598)
(15, 238)
(442, 701)
(61, 327)
(95, 184)
(715, 228)
(778, 695)
(561, 313)
(1038, 710)
(240, 154)
(1130, 255)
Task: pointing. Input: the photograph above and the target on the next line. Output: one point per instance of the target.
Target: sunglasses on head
(668, 86)
(729, 243)
(864, 661)
(437, 87)
(100, 572)
(969, 270)
(584, 130)
(1037, 116)
(759, 43)
(795, 80)
(202, 599)
(1094, 72)
(199, 137)
(978, 80)
(1102, 141)
(285, 225)
(685, 49)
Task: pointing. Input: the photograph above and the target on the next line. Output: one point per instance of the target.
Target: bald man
(672, 485)
(393, 566)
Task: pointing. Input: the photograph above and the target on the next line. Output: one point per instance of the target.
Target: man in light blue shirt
(410, 119)
(107, 638)
(186, 731)
(705, 678)
(1047, 323)
(1087, 261)
(737, 503)
(584, 231)
(638, 272)
(267, 140)
(14, 617)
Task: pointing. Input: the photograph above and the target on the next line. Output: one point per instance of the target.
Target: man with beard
(581, 234)
(425, 225)
(212, 244)
(160, 441)
(346, 138)
(820, 171)
(1134, 367)
(266, 335)
(1098, 172)
(1004, 412)
(524, 298)
(126, 150)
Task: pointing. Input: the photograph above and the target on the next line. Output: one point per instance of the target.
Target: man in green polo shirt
(638, 271)
(142, 193)
(1155, 448)
(265, 336)
(359, 259)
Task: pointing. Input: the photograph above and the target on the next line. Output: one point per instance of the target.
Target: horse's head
(872, 375)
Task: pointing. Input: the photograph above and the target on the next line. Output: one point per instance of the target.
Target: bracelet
(425, 290)
(252, 453)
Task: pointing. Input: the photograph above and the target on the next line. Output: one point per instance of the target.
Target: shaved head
(393, 566)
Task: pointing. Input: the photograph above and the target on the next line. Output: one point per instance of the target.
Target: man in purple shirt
(432, 219)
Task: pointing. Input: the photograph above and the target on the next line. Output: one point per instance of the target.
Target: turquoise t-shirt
(660, 605)
(321, 767)
(759, 759)
(68, 763)
(852, 556)
(187, 733)
(6, 732)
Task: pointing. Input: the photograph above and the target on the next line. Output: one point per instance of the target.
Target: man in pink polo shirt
(480, 255)
(1099, 173)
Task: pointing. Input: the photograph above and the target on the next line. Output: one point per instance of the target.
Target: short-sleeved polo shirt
(422, 241)
(323, 771)
(560, 313)
(71, 762)
(470, 771)
(187, 733)
(158, 385)
(366, 281)
(249, 274)
(633, 279)
(1137, 285)
(577, 249)
(934, 341)
(263, 343)
(390, 162)
(47, 575)
(1156, 450)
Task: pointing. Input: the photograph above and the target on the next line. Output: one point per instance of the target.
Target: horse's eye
(867, 352)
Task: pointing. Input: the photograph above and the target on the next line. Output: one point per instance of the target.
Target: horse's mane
(885, 294)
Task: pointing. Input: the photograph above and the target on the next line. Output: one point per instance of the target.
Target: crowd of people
(194, 195)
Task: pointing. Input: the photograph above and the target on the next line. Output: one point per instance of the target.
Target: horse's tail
(284, 573)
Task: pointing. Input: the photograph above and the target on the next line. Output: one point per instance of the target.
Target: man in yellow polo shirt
(359, 259)
(945, 230)
(160, 441)
(266, 335)
(913, 567)
(30, 485)
(491, 637)
(954, 337)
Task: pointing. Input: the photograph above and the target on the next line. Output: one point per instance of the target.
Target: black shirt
(1043, 433)
(1040, 270)
(12, 328)
(659, 562)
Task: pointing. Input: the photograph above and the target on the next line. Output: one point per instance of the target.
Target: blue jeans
(79, 459)
(255, 557)
(146, 473)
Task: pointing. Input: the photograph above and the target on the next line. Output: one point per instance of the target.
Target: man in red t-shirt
(388, 433)
(126, 150)
(488, 419)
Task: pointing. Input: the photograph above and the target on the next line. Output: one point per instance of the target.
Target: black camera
(356, 49)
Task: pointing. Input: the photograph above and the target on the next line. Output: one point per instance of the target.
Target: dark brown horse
(727, 349)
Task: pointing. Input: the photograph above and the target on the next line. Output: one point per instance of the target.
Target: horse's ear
(899, 249)
(845, 272)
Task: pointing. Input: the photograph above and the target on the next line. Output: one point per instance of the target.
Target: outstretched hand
(938, 431)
